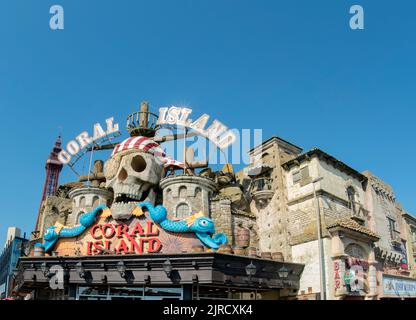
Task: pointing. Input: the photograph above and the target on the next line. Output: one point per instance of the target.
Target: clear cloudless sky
(293, 68)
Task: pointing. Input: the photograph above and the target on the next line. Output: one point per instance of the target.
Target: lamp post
(320, 247)
(80, 270)
(167, 267)
(283, 272)
(251, 270)
(121, 268)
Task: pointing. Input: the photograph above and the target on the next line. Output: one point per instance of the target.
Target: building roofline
(278, 138)
(409, 216)
(322, 154)
(351, 225)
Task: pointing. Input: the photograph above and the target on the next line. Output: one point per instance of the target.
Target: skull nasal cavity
(138, 163)
(122, 175)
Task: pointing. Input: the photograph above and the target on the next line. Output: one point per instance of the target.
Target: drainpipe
(320, 246)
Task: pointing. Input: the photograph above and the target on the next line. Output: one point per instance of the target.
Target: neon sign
(217, 132)
(84, 139)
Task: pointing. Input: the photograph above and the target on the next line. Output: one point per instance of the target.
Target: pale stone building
(391, 250)
(344, 222)
(362, 227)
(410, 234)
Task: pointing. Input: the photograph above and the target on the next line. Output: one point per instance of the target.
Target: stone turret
(186, 194)
(86, 198)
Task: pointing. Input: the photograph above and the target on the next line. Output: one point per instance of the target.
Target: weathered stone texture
(54, 209)
(193, 192)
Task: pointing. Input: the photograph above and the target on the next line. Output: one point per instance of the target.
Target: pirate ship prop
(146, 226)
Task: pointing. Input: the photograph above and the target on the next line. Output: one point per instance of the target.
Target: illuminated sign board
(217, 132)
(84, 139)
(135, 236)
(398, 287)
(136, 239)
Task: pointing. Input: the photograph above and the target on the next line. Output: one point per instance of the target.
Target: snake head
(50, 234)
(88, 218)
(203, 225)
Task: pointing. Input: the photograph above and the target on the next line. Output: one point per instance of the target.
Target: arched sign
(217, 132)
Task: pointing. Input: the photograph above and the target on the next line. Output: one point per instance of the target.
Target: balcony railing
(262, 190)
(395, 238)
(262, 184)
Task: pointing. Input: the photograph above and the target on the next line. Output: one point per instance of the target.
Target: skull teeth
(122, 198)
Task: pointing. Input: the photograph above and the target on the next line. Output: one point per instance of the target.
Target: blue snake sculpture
(203, 227)
(53, 233)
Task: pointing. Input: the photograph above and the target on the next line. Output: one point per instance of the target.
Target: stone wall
(222, 217)
(54, 209)
(239, 221)
(272, 215)
(410, 231)
(381, 202)
(331, 195)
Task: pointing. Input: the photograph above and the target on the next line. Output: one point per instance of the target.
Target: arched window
(356, 251)
(182, 211)
(79, 216)
(182, 192)
(95, 201)
(82, 202)
(198, 192)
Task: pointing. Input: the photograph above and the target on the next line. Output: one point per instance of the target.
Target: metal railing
(395, 237)
(357, 211)
(142, 120)
(262, 184)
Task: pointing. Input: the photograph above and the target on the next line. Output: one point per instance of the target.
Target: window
(392, 227)
(95, 201)
(304, 173)
(182, 211)
(351, 194)
(413, 235)
(182, 192)
(296, 176)
(351, 198)
(79, 216)
(82, 202)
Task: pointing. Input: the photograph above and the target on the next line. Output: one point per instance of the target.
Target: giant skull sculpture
(132, 175)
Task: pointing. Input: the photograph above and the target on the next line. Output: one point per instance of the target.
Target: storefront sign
(398, 287)
(352, 261)
(136, 239)
(136, 236)
(217, 132)
(337, 278)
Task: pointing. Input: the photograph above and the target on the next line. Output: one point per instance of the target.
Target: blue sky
(293, 68)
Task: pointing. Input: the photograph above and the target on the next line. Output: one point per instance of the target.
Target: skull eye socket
(122, 175)
(138, 163)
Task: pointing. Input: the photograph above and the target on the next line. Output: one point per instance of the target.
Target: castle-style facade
(341, 232)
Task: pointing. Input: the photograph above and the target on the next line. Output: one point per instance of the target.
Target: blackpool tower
(53, 168)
